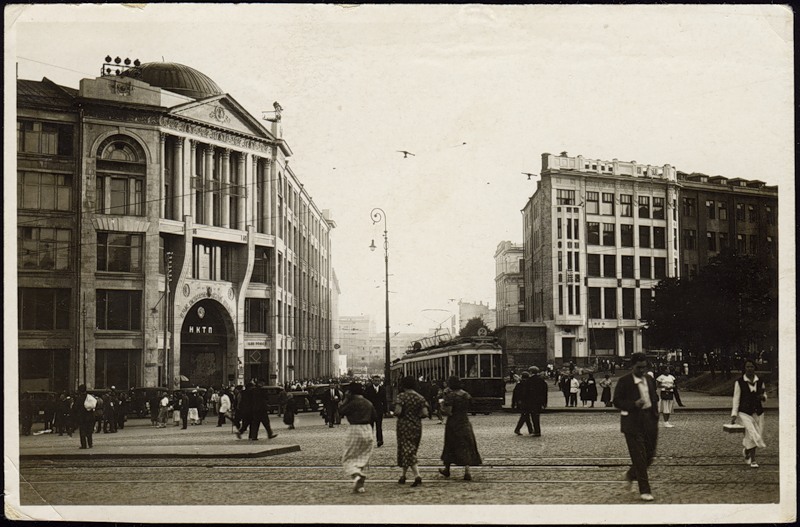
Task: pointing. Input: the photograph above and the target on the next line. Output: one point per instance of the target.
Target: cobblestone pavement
(580, 459)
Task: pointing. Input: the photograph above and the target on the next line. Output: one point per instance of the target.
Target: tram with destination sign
(477, 361)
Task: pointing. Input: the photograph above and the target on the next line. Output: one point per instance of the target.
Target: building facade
(468, 310)
(600, 235)
(155, 213)
(509, 283)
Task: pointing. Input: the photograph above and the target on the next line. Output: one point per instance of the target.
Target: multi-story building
(356, 336)
(155, 213)
(599, 236)
(509, 285)
(468, 310)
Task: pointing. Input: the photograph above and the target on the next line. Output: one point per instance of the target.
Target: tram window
(472, 365)
(486, 365)
(496, 366)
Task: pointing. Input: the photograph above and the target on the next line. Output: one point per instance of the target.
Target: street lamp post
(377, 215)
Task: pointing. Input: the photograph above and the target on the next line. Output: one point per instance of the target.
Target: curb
(683, 409)
(163, 455)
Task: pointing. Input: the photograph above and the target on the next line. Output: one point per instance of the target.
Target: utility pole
(84, 337)
(167, 278)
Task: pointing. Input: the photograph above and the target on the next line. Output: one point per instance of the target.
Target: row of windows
(658, 239)
(44, 248)
(649, 267)
(604, 204)
(602, 303)
(483, 365)
(719, 210)
(36, 137)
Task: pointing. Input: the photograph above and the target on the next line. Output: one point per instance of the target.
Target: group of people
(571, 387)
(363, 407)
(185, 408)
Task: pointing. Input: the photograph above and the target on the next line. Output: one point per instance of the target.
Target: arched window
(121, 169)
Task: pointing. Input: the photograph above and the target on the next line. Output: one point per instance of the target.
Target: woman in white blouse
(749, 394)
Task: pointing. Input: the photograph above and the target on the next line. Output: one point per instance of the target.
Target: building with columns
(155, 213)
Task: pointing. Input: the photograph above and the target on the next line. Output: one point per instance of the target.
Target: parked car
(302, 400)
(139, 403)
(316, 391)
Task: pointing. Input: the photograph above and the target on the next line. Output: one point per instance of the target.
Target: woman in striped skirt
(361, 417)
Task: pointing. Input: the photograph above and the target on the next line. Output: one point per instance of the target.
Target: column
(189, 195)
(177, 179)
(208, 172)
(162, 175)
(244, 191)
(225, 190)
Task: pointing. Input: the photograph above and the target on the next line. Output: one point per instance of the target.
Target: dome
(176, 78)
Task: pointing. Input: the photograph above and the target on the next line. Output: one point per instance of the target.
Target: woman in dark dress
(409, 409)
(591, 389)
(460, 447)
(289, 410)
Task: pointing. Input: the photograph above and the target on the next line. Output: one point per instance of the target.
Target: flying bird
(406, 153)
(528, 174)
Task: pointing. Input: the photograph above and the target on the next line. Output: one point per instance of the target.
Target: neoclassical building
(155, 213)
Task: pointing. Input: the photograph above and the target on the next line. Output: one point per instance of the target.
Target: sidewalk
(693, 401)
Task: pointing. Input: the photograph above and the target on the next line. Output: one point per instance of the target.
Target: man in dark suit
(376, 394)
(635, 396)
(537, 392)
(260, 412)
(331, 399)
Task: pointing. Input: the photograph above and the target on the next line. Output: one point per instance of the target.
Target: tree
(727, 306)
(472, 327)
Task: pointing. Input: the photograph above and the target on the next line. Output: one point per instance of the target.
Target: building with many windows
(599, 236)
(155, 213)
(509, 284)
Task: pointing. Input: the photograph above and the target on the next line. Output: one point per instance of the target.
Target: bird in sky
(528, 174)
(406, 153)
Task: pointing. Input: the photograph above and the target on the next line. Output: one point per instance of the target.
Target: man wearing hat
(538, 398)
(520, 398)
(376, 394)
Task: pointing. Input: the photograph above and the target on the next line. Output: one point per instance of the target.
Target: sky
(476, 92)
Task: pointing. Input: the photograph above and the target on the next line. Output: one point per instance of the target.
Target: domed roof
(176, 78)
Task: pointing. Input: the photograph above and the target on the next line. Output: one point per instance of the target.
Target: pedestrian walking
(537, 394)
(361, 416)
(330, 400)
(564, 385)
(375, 393)
(225, 409)
(84, 408)
(574, 388)
(409, 409)
(749, 395)
(637, 400)
(583, 391)
(606, 385)
(283, 396)
(260, 412)
(163, 410)
(591, 389)
(195, 403)
(521, 401)
(666, 392)
(460, 447)
(289, 410)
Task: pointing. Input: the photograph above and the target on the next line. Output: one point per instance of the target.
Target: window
(768, 216)
(565, 197)
(723, 211)
(44, 138)
(658, 208)
(644, 206)
(711, 241)
(41, 191)
(688, 206)
(627, 267)
(593, 264)
(119, 309)
(723, 241)
(689, 239)
(592, 203)
(659, 238)
(593, 233)
(626, 235)
(752, 213)
(256, 315)
(119, 252)
(211, 260)
(610, 301)
(739, 212)
(607, 207)
(628, 303)
(608, 234)
(575, 230)
(711, 209)
(121, 170)
(485, 365)
(560, 299)
(558, 228)
(771, 247)
(261, 266)
(41, 248)
(609, 266)
(753, 244)
(43, 309)
(626, 205)
(645, 299)
(593, 299)
(644, 267)
(644, 236)
(660, 267)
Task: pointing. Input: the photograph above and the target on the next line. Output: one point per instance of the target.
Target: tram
(477, 361)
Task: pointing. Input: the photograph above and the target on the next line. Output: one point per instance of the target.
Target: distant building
(356, 333)
(509, 283)
(151, 167)
(468, 310)
(599, 235)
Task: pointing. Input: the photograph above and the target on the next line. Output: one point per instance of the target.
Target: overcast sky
(478, 93)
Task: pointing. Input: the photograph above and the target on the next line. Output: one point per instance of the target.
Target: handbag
(90, 403)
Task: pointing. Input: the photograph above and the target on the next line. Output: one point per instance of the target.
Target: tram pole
(377, 215)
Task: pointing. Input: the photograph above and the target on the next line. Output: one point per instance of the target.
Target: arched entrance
(204, 344)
